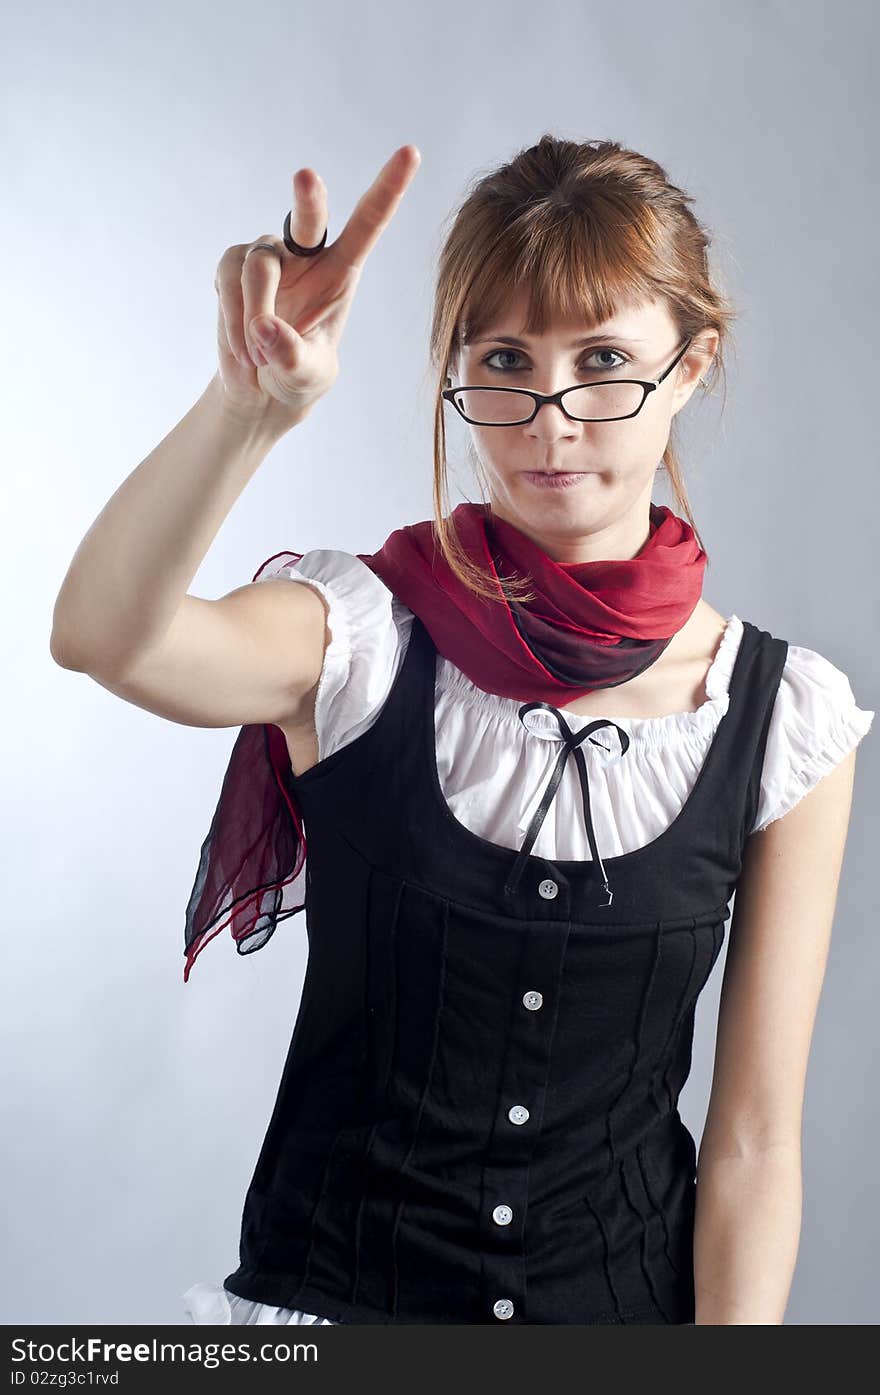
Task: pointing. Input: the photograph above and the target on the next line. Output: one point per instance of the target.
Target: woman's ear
(706, 347)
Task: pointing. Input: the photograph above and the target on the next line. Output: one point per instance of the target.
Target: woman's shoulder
(813, 689)
(812, 686)
(328, 566)
(365, 607)
(816, 703)
(369, 630)
(815, 722)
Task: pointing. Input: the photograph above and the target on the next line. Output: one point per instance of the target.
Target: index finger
(375, 208)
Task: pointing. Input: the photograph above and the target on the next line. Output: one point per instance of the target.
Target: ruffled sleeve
(814, 724)
(252, 865)
(366, 623)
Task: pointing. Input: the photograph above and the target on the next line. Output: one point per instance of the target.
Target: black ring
(294, 246)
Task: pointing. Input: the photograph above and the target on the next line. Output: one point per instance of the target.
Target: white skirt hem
(213, 1305)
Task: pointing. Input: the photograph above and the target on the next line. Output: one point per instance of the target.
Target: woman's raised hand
(306, 300)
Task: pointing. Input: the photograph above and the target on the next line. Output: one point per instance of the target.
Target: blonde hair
(584, 227)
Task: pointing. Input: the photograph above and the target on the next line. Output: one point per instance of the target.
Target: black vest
(477, 1119)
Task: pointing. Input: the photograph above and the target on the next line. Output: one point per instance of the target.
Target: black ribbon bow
(571, 746)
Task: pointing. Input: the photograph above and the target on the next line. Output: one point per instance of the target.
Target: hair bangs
(573, 268)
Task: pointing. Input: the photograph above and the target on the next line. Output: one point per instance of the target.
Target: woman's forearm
(132, 569)
(746, 1236)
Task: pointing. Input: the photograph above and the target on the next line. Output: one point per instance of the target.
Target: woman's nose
(550, 420)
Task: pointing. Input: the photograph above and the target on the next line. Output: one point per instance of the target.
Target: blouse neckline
(644, 731)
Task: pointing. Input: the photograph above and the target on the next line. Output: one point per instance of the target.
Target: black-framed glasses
(613, 399)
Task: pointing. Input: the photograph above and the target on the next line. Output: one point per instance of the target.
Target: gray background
(136, 148)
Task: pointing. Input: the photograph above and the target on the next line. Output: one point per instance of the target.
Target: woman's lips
(561, 479)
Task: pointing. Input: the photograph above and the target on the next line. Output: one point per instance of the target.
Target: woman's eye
(499, 353)
(614, 354)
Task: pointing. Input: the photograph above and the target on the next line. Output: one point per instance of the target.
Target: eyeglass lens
(507, 406)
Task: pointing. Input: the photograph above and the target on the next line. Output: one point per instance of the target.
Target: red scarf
(592, 625)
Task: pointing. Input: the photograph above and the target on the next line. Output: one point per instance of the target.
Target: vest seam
(668, 923)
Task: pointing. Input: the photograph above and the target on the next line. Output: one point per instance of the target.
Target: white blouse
(493, 770)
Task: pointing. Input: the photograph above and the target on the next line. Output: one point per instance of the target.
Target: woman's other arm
(749, 1184)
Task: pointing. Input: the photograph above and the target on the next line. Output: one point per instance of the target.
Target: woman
(516, 886)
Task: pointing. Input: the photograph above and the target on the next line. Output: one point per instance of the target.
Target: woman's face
(604, 512)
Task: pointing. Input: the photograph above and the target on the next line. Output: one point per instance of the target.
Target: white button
(548, 889)
(517, 1114)
(502, 1215)
(503, 1308)
(533, 1000)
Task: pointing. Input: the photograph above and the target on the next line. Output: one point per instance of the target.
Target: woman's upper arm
(778, 947)
(252, 656)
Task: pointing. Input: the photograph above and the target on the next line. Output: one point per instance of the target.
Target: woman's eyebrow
(575, 344)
